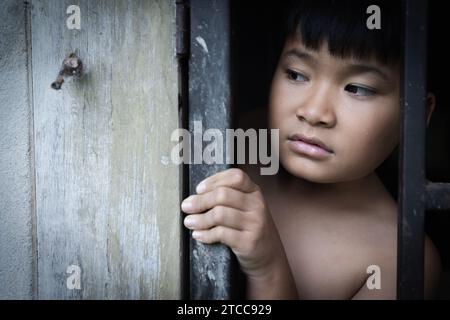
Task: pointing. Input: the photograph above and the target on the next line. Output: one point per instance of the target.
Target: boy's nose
(318, 108)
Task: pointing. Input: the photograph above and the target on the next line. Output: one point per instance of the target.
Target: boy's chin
(322, 175)
(311, 175)
(315, 174)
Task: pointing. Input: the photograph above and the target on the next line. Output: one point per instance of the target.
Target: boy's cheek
(284, 100)
(364, 154)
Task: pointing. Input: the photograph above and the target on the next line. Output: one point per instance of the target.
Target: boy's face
(351, 106)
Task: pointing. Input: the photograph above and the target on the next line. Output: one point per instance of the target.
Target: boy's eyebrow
(300, 55)
(365, 68)
(352, 68)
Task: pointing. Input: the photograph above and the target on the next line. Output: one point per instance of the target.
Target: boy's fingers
(227, 236)
(221, 196)
(234, 178)
(217, 216)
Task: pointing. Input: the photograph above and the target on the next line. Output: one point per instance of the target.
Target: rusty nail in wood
(71, 66)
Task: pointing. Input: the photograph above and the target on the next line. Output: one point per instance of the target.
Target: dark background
(255, 50)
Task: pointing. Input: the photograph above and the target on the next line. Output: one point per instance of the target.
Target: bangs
(342, 25)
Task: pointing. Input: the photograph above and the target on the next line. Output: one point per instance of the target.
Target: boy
(313, 230)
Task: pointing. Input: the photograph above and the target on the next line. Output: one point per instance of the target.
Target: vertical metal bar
(410, 259)
(212, 266)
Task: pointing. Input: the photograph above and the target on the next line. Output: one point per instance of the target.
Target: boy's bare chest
(330, 243)
(327, 251)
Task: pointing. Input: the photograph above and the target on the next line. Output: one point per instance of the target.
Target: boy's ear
(431, 103)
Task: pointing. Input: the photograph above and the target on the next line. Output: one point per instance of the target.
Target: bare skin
(330, 240)
(312, 230)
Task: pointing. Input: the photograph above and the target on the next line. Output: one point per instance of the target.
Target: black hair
(342, 24)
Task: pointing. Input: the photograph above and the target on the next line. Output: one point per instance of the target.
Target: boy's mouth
(309, 145)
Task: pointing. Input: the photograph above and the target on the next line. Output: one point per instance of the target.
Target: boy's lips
(309, 145)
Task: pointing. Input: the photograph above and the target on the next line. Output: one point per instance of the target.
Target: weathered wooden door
(87, 187)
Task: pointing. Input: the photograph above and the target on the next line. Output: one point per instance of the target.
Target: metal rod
(212, 267)
(411, 236)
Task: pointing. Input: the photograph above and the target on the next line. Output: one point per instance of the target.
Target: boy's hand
(229, 208)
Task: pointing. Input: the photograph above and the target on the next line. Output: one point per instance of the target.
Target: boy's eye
(360, 91)
(295, 76)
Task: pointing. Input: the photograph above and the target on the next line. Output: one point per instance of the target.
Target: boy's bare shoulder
(378, 247)
(354, 244)
(382, 253)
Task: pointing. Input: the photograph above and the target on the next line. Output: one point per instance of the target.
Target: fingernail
(188, 221)
(201, 187)
(186, 205)
(196, 234)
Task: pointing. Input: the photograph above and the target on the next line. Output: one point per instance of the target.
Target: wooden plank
(16, 173)
(107, 192)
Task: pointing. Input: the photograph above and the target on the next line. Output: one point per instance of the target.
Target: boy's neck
(359, 189)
